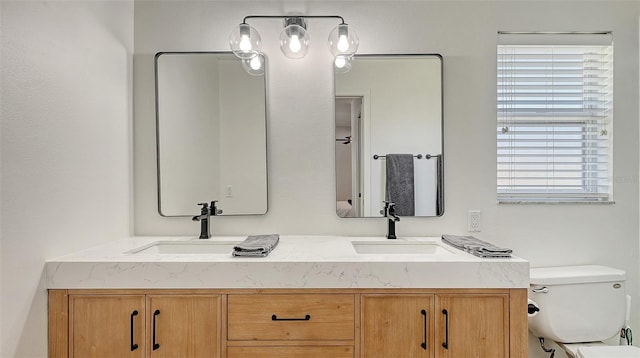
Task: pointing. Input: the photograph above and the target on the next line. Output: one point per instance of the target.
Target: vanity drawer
(291, 317)
(291, 352)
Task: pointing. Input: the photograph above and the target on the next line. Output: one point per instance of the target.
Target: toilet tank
(581, 303)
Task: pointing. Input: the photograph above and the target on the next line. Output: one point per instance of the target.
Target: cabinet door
(106, 326)
(397, 325)
(472, 325)
(183, 326)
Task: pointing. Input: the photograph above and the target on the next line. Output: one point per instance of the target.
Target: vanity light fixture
(246, 43)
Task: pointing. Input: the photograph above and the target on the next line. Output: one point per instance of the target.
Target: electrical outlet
(228, 191)
(474, 220)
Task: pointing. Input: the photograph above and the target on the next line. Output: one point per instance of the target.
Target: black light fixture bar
(244, 20)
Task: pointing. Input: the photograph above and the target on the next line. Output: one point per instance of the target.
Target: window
(554, 117)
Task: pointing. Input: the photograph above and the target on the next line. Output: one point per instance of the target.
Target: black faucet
(390, 213)
(205, 217)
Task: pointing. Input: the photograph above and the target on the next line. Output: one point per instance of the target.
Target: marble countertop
(298, 261)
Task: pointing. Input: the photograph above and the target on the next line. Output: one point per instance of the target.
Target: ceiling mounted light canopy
(245, 41)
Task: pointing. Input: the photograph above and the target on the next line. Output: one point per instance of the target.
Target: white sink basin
(401, 247)
(187, 247)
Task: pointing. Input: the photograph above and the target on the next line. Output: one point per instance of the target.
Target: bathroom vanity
(313, 296)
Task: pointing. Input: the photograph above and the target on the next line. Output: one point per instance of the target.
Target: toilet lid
(609, 352)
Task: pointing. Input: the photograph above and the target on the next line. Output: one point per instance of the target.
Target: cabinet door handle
(155, 344)
(424, 317)
(446, 329)
(275, 318)
(133, 345)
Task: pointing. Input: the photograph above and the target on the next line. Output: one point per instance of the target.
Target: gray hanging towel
(400, 188)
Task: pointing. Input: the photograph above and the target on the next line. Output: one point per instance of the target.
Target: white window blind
(554, 118)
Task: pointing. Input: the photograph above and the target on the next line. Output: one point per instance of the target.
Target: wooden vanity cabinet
(445, 324)
(133, 324)
(296, 323)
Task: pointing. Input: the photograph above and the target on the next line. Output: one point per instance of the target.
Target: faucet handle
(214, 208)
(389, 208)
(387, 205)
(205, 208)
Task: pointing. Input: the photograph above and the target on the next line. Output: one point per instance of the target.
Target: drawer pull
(134, 346)
(156, 345)
(424, 343)
(275, 318)
(446, 330)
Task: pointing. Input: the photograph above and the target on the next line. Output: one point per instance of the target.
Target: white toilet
(580, 306)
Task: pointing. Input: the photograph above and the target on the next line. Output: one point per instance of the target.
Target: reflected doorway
(349, 200)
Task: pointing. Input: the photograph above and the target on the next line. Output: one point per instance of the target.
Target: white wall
(301, 127)
(66, 147)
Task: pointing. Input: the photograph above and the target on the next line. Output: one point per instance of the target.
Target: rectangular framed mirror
(211, 134)
(389, 108)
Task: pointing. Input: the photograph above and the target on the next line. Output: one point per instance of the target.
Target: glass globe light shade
(245, 41)
(342, 64)
(294, 41)
(343, 40)
(254, 65)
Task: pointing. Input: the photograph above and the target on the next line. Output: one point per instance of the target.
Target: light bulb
(343, 40)
(294, 39)
(255, 63)
(342, 64)
(343, 43)
(295, 44)
(245, 43)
